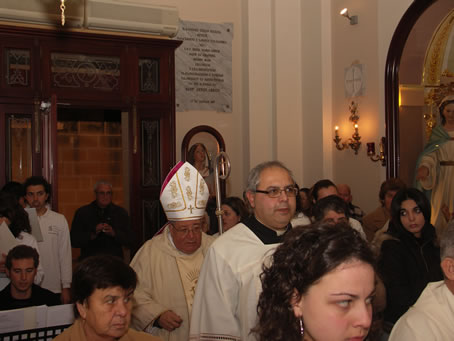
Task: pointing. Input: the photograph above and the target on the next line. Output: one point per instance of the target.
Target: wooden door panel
(18, 142)
(155, 75)
(76, 72)
(123, 86)
(152, 160)
(19, 67)
(49, 146)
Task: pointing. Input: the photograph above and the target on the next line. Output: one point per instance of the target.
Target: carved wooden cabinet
(55, 83)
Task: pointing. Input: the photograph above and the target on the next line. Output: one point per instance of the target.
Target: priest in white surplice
(168, 265)
(225, 303)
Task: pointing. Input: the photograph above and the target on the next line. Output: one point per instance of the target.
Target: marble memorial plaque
(203, 67)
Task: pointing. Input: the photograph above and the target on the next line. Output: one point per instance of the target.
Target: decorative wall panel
(84, 71)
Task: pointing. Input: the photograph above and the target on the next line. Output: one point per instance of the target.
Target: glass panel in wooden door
(18, 147)
(152, 214)
(90, 148)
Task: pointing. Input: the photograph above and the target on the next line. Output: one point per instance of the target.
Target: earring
(301, 326)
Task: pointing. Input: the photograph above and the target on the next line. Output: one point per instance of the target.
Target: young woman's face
(199, 154)
(339, 306)
(229, 217)
(448, 112)
(411, 217)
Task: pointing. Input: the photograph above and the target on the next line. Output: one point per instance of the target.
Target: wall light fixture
(355, 141)
(381, 154)
(353, 19)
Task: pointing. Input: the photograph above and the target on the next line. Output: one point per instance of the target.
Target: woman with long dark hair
(234, 210)
(15, 217)
(319, 286)
(198, 157)
(409, 255)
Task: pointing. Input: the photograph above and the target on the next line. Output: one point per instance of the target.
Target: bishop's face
(187, 235)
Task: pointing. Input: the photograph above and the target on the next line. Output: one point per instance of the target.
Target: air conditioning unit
(132, 17)
(45, 12)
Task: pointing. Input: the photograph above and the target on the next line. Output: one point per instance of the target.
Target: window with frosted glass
(152, 221)
(150, 153)
(19, 147)
(17, 67)
(70, 70)
(149, 75)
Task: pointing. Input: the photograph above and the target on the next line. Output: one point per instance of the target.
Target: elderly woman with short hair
(102, 289)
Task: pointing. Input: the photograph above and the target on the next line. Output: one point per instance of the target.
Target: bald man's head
(345, 193)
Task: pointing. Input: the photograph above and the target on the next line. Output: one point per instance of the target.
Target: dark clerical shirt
(265, 234)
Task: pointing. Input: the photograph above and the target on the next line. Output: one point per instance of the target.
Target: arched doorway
(404, 84)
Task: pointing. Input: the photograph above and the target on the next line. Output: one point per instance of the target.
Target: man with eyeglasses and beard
(168, 265)
(225, 304)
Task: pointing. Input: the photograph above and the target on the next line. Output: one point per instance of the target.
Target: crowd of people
(98, 228)
(291, 263)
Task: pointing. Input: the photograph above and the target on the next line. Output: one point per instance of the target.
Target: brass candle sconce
(355, 141)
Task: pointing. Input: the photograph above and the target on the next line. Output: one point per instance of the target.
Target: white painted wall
(288, 89)
(368, 43)
(350, 44)
(230, 125)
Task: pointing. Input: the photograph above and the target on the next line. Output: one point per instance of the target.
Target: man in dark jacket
(21, 266)
(101, 227)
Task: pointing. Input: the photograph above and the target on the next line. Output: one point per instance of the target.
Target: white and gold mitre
(184, 193)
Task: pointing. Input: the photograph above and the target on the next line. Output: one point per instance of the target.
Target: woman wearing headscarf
(435, 166)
